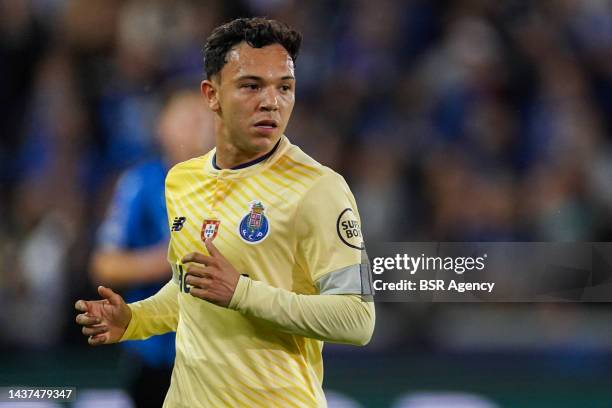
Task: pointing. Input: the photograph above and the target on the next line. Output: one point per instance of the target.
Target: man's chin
(263, 143)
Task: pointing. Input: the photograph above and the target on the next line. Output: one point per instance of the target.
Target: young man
(284, 274)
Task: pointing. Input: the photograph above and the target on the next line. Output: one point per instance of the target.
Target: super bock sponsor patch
(349, 229)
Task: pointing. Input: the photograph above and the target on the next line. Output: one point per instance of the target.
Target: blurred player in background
(132, 247)
(284, 274)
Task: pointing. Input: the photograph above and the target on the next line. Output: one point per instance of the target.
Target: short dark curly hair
(257, 32)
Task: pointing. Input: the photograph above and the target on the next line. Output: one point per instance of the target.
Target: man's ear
(210, 94)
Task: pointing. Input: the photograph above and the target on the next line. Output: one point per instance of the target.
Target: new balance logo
(178, 223)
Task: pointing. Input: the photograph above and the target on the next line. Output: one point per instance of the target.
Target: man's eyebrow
(258, 78)
(252, 77)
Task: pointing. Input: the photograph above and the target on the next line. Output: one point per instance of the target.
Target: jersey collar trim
(247, 164)
(251, 167)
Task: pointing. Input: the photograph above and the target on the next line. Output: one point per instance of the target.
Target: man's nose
(269, 100)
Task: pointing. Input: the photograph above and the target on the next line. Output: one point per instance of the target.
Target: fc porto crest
(210, 228)
(254, 227)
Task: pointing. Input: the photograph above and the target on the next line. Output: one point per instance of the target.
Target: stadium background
(465, 120)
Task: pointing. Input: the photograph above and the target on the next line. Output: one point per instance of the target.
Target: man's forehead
(270, 61)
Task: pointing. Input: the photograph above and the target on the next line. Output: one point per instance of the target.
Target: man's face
(255, 94)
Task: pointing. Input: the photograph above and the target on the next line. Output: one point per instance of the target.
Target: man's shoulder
(317, 173)
(191, 166)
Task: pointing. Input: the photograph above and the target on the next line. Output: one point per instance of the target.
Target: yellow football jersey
(287, 221)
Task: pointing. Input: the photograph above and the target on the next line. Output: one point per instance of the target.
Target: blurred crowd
(467, 120)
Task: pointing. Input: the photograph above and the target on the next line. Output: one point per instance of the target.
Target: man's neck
(228, 157)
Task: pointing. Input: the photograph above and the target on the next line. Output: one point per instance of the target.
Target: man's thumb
(108, 294)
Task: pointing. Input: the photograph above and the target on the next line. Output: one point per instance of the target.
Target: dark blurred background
(464, 120)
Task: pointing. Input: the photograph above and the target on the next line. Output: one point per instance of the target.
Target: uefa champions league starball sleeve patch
(254, 227)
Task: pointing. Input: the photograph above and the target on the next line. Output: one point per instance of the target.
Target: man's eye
(250, 86)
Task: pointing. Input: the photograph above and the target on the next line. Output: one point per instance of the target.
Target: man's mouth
(266, 124)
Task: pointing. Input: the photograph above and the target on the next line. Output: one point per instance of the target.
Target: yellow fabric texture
(264, 353)
(333, 318)
(155, 315)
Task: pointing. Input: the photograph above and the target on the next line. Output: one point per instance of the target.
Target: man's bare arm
(115, 267)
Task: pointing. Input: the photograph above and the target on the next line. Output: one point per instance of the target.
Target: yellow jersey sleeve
(333, 318)
(154, 315)
(328, 228)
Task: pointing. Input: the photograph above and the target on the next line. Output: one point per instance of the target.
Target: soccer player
(268, 259)
(133, 239)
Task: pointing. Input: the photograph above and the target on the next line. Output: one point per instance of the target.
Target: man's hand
(104, 321)
(211, 278)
